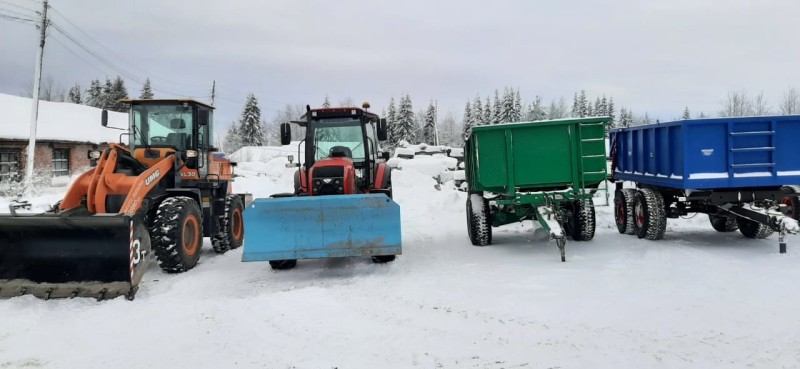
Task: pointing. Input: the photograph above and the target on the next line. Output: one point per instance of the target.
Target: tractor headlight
(337, 181)
(317, 182)
(191, 153)
(95, 154)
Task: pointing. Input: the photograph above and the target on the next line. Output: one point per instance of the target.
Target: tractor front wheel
(283, 264)
(382, 259)
(177, 234)
(231, 235)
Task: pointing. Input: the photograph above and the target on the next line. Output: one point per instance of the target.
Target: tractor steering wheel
(156, 140)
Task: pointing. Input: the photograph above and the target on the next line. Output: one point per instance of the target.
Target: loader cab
(159, 128)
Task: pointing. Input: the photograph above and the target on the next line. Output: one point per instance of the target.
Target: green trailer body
(544, 171)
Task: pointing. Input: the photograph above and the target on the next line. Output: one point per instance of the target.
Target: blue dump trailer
(742, 172)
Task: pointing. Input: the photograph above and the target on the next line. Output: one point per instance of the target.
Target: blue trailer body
(321, 227)
(721, 153)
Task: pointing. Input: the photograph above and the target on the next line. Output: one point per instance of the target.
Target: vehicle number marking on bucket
(137, 252)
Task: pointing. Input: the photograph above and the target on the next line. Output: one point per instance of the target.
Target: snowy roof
(57, 121)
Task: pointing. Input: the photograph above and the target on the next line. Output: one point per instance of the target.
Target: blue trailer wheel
(650, 220)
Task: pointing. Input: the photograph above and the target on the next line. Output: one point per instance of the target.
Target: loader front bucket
(321, 227)
(52, 256)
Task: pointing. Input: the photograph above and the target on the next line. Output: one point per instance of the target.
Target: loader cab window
(162, 126)
(340, 135)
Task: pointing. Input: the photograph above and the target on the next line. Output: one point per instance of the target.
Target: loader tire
(177, 234)
(479, 223)
(283, 264)
(232, 234)
(722, 223)
(753, 229)
(581, 223)
(623, 210)
(650, 220)
(383, 259)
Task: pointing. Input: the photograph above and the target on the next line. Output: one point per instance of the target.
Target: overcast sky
(652, 56)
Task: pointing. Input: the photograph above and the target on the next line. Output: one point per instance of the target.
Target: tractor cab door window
(162, 126)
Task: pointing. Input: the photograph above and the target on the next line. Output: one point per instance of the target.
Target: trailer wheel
(650, 220)
(623, 210)
(581, 223)
(722, 223)
(283, 264)
(478, 220)
(793, 202)
(232, 234)
(177, 234)
(753, 229)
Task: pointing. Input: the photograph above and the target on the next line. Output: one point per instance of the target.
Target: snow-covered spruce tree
(517, 106)
(468, 120)
(74, 95)
(589, 110)
(597, 110)
(250, 129)
(603, 106)
(391, 124)
(686, 114)
(576, 110)
(107, 97)
(406, 123)
(233, 141)
(327, 102)
(147, 90)
(536, 110)
(507, 104)
(497, 109)
(487, 113)
(94, 94)
(583, 105)
(477, 112)
(610, 112)
(429, 125)
(118, 92)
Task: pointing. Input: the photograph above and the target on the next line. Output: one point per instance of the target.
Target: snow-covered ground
(697, 299)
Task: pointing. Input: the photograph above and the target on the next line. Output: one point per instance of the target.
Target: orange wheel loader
(160, 195)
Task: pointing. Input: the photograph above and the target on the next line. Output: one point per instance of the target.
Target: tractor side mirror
(190, 160)
(385, 155)
(382, 134)
(286, 134)
(104, 118)
(202, 117)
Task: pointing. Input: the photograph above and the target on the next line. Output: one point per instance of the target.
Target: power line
(18, 19)
(19, 6)
(120, 57)
(16, 13)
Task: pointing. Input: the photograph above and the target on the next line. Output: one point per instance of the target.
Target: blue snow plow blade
(321, 227)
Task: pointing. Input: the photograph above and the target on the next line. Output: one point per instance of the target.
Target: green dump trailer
(544, 171)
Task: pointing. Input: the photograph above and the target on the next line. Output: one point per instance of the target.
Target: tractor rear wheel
(649, 215)
(753, 229)
(478, 220)
(177, 234)
(581, 223)
(623, 210)
(283, 264)
(722, 223)
(231, 235)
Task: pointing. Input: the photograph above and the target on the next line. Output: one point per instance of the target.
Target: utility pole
(213, 89)
(37, 79)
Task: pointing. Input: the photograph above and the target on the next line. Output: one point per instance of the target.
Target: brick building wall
(52, 157)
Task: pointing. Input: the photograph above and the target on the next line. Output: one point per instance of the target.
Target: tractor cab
(342, 151)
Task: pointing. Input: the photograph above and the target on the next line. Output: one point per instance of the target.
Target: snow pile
(58, 121)
(265, 153)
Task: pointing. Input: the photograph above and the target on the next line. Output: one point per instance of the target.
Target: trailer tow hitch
(775, 217)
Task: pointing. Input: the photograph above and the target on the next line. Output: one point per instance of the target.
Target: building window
(60, 162)
(9, 165)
